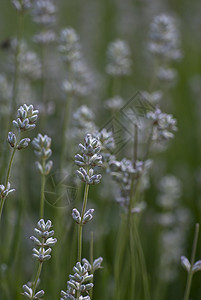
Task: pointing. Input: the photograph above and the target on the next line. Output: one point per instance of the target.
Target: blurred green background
(98, 23)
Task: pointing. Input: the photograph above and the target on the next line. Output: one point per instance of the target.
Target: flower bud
(11, 139)
(23, 143)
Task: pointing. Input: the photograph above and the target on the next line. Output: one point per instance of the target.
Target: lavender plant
(44, 242)
(26, 119)
(163, 125)
(192, 266)
(173, 221)
(43, 13)
(21, 7)
(118, 63)
(143, 233)
(89, 160)
(43, 151)
(164, 45)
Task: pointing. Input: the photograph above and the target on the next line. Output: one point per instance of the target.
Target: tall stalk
(91, 260)
(17, 65)
(89, 159)
(25, 112)
(81, 223)
(80, 228)
(120, 246)
(14, 88)
(3, 199)
(190, 273)
(36, 279)
(42, 193)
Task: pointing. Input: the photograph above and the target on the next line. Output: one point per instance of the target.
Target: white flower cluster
(43, 12)
(26, 119)
(123, 172)
(44, 241)
(5, 191)
(89, 160)
(173, 220)
(119, 61)
(79, 282)
(21, 5)
(43, 151)
(80, 80)
(115, 103)
(164, 38)
(29, 63)
(163, 125)
(164, 45)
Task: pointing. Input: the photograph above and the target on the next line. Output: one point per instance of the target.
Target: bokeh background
(98, 23)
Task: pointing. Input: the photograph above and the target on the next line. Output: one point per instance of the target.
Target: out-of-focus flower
(119, 61)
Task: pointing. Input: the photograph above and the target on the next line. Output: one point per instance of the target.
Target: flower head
(26, 118)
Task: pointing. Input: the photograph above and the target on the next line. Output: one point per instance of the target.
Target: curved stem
(7, 180)
(190, 274)
(14, 88)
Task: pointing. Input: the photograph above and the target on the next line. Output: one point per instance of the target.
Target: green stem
(81, 225)
(135, 145)
(120, 246)
(132, 258)
(15, 84)
(91, 260)
(9, 167)
(130, 227)
(131, 237)
(42, 193)
(134, 241)
(36, 279)
(149, 142)
(142, 263)
(79, 243)
(17, 65)
(190, 274)
(92, 250)
(14, 97)
(7, 180)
